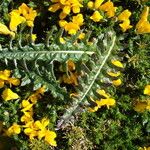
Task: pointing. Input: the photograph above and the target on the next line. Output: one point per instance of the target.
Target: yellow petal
(50, 138)
(124, 15)
(98, 3)
(14, 129)
(102, 93)
(34, 37)
(96, 17)
(70, 65)
(81, 36)
(66, 10)
(76, 9)
(109, 8)
(113, 74)
(117, 63)
(61, 40)
(117, 82)
(1, 83)
(4, 30)
(147, 90)
(54, 7)
(62, 23)
(62, 15)
(90, 4)
(71, 27)
(78, 19)
(140, 106)
(94, 109)
(14, 81)
(108, 102)
(25, 103)
(8, 94)
(144, 14)
(15, 20)
(30, 23)
(125, 25)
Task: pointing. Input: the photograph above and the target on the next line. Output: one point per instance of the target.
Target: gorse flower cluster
(33, 128)
(143, 26)
(98, 6)
(141, 106)
(107, 100)
(71, 10)
(5, 79)
(22, 15)
(30, 127)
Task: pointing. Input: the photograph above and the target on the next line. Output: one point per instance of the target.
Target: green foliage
(38, 64)
(77, 139)
(39, 145)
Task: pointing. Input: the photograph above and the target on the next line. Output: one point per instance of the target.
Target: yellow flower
(103, 101)
(96, 17)
(50, 138)
(75, 9)
(4, 30)
(90, 4)
(28, 13)
(71, 79)
(147, 90)
(27, 117)
(102, 93)
(94, 109)
(13, 81)
(54, 7)
(148, 105)
(71, 27)
(66, 10)
(5, 78)
(70, 65)
(113, 74)
(30, 130)
(78, 19)
(117, 82)
(144, 14)
(62, 23)
(62, 15)
(81, 36)
(124, 15)
(4, 75)
(61, 40)
(98, 3)
(1, 83)
(34, 37)
(108, 102)
(74, 26)
(125, 25)
(143, 26)
(144, 148)
(109, 8)
(117, 63)
(14, 129)
(15, 20)
(42, 124)
(41, 90)
(8, 94)
(140, 106)
(67, 6)
(26, 106)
